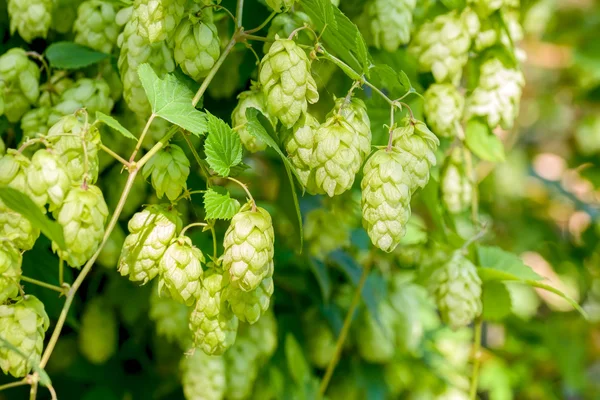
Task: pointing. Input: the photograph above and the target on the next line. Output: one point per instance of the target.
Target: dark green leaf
(69, 55)
(397, 83)
(321, 274)
(288, 202)
(496, 301)
(116, 125)
(507, 263)
(218, 204)
(483, 143)
(223, 147)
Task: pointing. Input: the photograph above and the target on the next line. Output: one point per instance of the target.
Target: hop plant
(109, 255)
(443, 107)
(47, 179)
(203, 377)
(91, 94)
(196, 46)
(457, 291)
(98, 334)
(455, 186)
(248, 248)
(213, 325)
(249, 306)
(10, 271)
(249, 99)
(325, 232)
(280, 5)
(376, 337)
(169, 169)
(284, 24)
(96, 26)
(300, 145)
(286, 81)
(171, 318)
(390, 22)
(181, 271)
(320, 340)
(82, 216)
(30, 18)
(158, 18)
(23, 325)
(150, 233)
(497, 94)
(20, 77)
(386, 194)
(36, 122)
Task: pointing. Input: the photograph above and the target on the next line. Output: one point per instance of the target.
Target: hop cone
(391, 21)
(376, 338)
(325, 232)
(52, 90)
(10, 271)
(35, 122)
(497, 95)
(249, 99)
(457, 291)
(91, 94)
(150, 233)
(386, 198)
(249, 306)
(31, 18)
(64, 15)
(300, 145)
(158, 18)
(68, 137)
(20, 77)
(98, 333)
(113, 187)
(354, 113)
(443, 107)
(263, 334)
(96, 26)
(181, 271)
(82, 216)
(280, 5)
(213, 325)
(23, 325)
(171, 318)
(203, 377)
(284, 24)
(241, 368)
(169, 169)
(196, 47)
(47, 179)
(416, 145)
(109, 255)
(286, 81)
(320, 340)
(455, 186)
(248, 255)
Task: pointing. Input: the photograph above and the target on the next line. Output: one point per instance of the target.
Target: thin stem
(239, 13)
(43, 284)
(265, 22)
(259, 38)
(214, 69)
(243, 185)
(14, 384)
(410, 111)
(39, 57)
(344, 332)
(61, 272)
(141, 139)
(473, 179)
(476, 358)
(28, 143)
(192, 225)
(219, 7)
(214, 237)
(379, 92)
(161, 143)
(33, 391)
(115, 155)
(205, 171)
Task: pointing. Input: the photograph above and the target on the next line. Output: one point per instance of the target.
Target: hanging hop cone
(455, 186)
(248, 248)
(10, 271)
(158, 18)
(386, 198)
(203, 377)
(284, 24)
(171, 319)
(280, 5)
(47, 179)
(457, 291)
(376, 338)
(286, 81)
(91, 94)
(96, 26)
(325, 232)
(150, 233)
(300, 145)
(249, 306)
(354, 112)
(181, 271)
(36, 122)
(443, 107)
(31, 18)
(23, 325)
(390, 22)
(98, 333)
(20, 83)
(196, 47)
(249, 99)
(213, 325)
(320, 340)
(169, 169)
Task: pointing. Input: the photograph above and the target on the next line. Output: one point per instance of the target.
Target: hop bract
(169, 169)
(47, 179)
(20, 83)
(286, 81)
(391, 21)
(91, 94)
(196, 47)
(249, 99)
(203, 376)
(158, 18)
(249, 306)
(354, 113)
(455, 186)
(36, 121)
(31, 18)
(300, 145)
(443, 106)
(96, 26)
(181, 270)
(98, 333)
(10, 271)
(284, 24)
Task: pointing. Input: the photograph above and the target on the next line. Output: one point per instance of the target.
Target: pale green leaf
(69, 55)
(297, 364)
(223, 147)
(116, 125)
(218, 204)
(497, 302)
(483, 143)
(508, 264)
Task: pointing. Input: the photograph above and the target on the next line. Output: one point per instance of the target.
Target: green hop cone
(249, 306)
(23, 325)
(249, 99)
(443, 107)
(286, 81)
(284, 24)
(354, 113)
(325, 232)
(82, 216)
(10, 271)
(391, 21)
(114, 183)
(320, 340)
(169, 169)
(35, 122)
(263, 333)
(455, 186)
(196, 47)
(96, 26)
(109, 255)
(20, 77)
(91, 94)
(457, 291)
(31, 18)
(386, 198)
(280, 5)
(241, 368)
(497, 95)
(98, 333)
(416, 145)
(248, 248)
(213, 325)
(150, 233)
(376, 336)
(158, 18)
(47, 179)
(171, 319)
(52, 90)
(203, 377)
(181, 271)
(300, 145)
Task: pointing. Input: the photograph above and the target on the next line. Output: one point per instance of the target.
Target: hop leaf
(98, 334)
(218, 204)
(249, 99)
(181, 271)
(169, 169)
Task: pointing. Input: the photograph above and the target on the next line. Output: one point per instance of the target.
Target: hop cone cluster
(169, 169)
(96, 25)
(98, 333)
(249, 99)
(284, 24)
(391, 21)
(31, 18)
(457, 291)
(196, 47)
(496, 97)
(10, 271)
(250, 306)
(455, 186)
(300, 145)
(280, 5)
(213, 325)
(320, 340)
(91, 94)
(248, 254)
(181, 271)
(286, 81)
(47, 179)
(23, 325)
(150, 233)
(20, 83)
(203, 377)
(443, 107)
(171, 318)
(158, 18)
(376, 338)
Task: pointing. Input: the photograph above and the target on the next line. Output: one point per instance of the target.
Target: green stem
(214, 69)
(379, 92)
(14, 384)
(259, 38)
(214, 237)
(239, 13)
(43, 284)
(159, 145)
(192, 225)
(265, 22)
(243, 185)
(33, 391)
(473, 179)
(61, 271)
(205, 171)
(115, 155)
(141, 139)
(476, 358)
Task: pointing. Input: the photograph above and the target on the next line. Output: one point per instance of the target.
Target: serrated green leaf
(223, 147)
(397, 83)
(21, 203)
(116, 125)
(297, 364)
(497, 303)
(483, 143)
(69, 55)
(508, 264)
(218, 204)
(171, 100)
